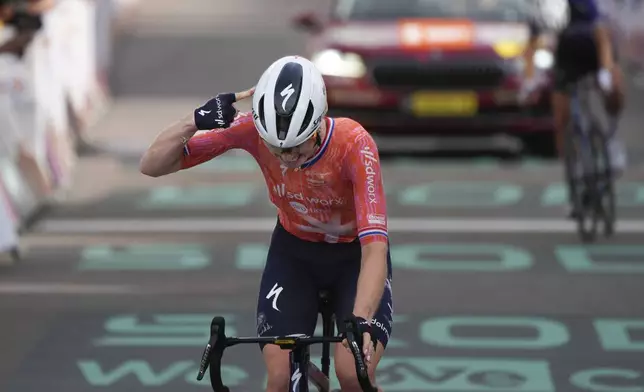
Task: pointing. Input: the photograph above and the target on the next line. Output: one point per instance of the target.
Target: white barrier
(47, 98)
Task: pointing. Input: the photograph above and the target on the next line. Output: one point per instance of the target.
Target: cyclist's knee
(277, 367)
(345, 368)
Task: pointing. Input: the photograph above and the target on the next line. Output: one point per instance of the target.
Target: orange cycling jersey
(335, 196)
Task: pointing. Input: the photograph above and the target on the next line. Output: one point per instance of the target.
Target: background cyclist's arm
(168, 154)
(371, 214)
(602, 35)
(604, 46)
(531, 48)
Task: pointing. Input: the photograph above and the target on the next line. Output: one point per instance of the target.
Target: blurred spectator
(20, 20)
(24, 16)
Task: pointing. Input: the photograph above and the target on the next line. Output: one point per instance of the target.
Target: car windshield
(478, 10)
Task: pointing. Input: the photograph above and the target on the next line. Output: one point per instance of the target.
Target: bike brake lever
(212, 355)
(352, 332)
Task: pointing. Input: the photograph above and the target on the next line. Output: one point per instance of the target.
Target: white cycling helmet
(551, 15)
(289, 102)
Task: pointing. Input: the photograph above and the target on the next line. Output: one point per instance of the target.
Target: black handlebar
(354, 339)
(218, 342)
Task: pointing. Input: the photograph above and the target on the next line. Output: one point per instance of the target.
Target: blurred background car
(432, 74)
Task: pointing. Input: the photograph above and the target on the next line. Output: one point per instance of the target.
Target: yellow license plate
(424, 104)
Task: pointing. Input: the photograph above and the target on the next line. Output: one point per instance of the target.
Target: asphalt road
(493, 291)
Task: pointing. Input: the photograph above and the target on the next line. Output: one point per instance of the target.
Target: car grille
(440, 76)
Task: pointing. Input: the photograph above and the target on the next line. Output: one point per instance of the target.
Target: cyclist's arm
(169, 154)
(371, 214)
(531, 48)
(165, 153)
(602, 35)
(604, 46)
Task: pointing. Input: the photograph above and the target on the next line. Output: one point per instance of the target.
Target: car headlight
(335, 63)
(543, 59)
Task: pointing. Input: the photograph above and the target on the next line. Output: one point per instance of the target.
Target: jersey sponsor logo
(330, 202)
(332, 228)
(287, 93)
(281, 191)
(220, 113)
(377, 219)
(316, 179)
(369, 161)
(299, 207)
(381, 326)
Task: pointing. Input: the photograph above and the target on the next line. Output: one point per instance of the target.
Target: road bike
(302, 370)
(587, 166)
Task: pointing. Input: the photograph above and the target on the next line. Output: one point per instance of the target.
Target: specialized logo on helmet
(287, 92)
(317, 122)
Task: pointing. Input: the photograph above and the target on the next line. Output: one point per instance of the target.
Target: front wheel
(605, 186)
(580, 183)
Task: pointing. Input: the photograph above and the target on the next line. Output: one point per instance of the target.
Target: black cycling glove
(364, 326)
(218, 112)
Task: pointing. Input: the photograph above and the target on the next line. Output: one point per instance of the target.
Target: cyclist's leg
(564, 72)
(614, 103)
(561, 108)
(287, 304)
(382, 323)
(615, 99)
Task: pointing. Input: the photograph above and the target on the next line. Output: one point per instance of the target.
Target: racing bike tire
(604, 186)
(580, 184)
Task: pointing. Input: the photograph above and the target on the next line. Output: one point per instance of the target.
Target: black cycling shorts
(296, 270)
(576, 56)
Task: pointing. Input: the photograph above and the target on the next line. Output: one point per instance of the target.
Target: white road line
(64, 288)
(260, 225)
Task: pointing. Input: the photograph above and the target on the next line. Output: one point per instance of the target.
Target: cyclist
(324, 177)
(583, 47)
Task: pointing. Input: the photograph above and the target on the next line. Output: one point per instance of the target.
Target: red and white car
(432, 73)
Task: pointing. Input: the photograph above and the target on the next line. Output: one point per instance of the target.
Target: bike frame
(299, 358)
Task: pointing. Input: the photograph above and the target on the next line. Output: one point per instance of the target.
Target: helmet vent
(307, 118)
(262, 117)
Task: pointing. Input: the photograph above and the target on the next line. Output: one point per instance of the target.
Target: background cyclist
(583, 46)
